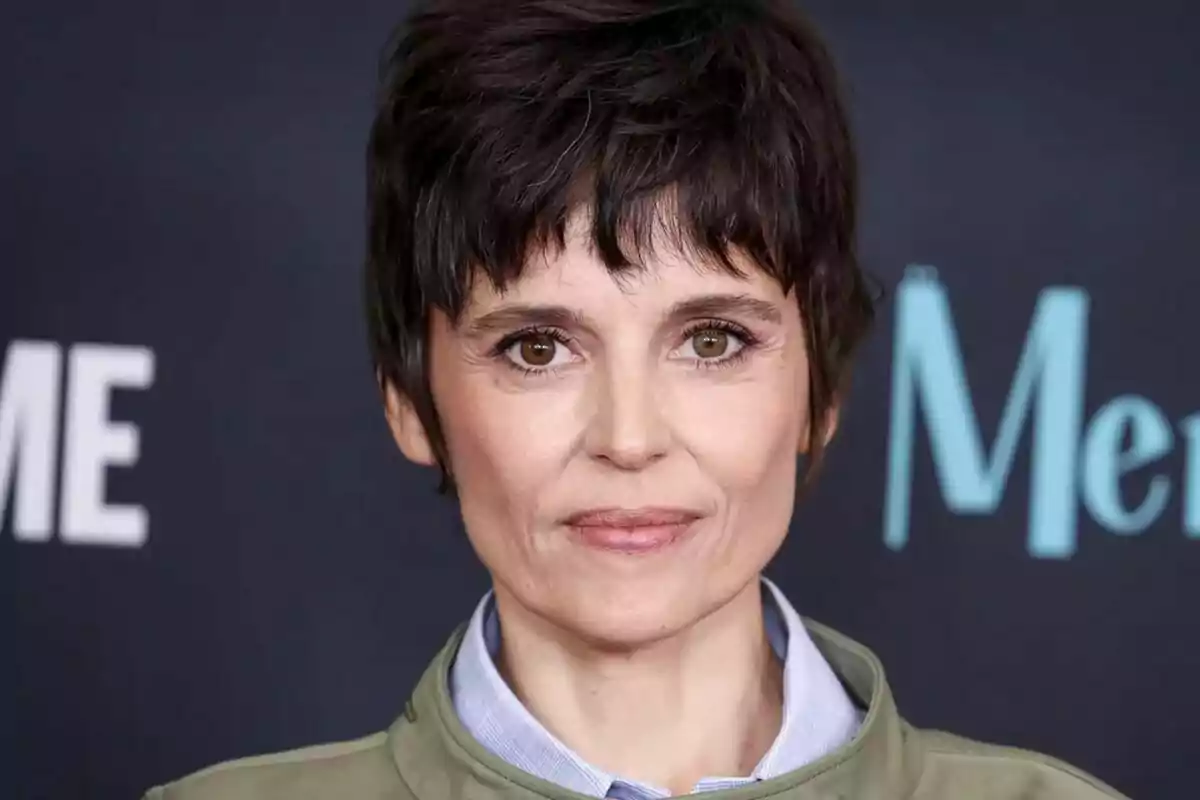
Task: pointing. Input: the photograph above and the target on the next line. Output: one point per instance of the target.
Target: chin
(631, 619)
(614, 634)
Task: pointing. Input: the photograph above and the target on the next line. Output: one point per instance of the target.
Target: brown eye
(710, 343)
(537, 349)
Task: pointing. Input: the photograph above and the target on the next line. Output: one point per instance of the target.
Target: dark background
(189, 177)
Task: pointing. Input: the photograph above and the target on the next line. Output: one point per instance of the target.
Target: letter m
(928, 366)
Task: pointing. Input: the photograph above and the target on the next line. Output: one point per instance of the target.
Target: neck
(704, 702)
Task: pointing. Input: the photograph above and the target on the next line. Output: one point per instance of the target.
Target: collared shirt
(818, 715)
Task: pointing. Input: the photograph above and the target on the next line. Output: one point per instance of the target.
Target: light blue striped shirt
(818, 715)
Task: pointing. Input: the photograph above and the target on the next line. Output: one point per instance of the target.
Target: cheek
(744, 432)
(506, 449)
(744, 439)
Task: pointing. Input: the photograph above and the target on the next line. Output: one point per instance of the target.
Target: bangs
(628, 233)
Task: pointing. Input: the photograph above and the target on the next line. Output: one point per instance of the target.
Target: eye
(711, 344)
(537, 351)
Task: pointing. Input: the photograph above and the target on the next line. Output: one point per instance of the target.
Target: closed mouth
(638, 531)
(631, 518)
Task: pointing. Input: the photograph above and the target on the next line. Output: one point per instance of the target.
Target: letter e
(93, 442)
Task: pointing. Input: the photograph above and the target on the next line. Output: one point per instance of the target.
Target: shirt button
(410, 713)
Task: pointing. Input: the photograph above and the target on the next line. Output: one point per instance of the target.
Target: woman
(613, 297)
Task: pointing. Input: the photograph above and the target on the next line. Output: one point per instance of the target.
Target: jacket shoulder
(359, 768)
(954, 767)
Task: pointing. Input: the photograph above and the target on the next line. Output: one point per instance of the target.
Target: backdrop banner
(213, 549)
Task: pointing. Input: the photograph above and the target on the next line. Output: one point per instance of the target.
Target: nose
(628, 428)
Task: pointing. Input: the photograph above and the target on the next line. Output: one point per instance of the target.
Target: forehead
(664, 274)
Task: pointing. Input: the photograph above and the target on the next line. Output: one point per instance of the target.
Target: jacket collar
(438, 758)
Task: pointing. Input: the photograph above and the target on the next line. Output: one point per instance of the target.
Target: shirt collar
(818, 715)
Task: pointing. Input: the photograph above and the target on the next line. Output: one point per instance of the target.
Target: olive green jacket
(428, 755)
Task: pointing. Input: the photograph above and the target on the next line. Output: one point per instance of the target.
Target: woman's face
(624, 448)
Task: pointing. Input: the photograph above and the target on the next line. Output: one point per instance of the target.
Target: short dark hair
(496, 121)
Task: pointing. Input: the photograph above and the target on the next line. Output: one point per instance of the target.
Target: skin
(681, 386)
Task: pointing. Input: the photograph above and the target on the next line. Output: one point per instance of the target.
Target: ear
(832, 417)
(406, 427)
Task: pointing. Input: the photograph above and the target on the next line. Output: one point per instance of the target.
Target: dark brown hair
(497, 121)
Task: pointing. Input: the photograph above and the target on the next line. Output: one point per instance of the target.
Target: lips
(631, 531)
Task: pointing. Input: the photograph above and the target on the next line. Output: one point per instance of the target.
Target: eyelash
(749, 343)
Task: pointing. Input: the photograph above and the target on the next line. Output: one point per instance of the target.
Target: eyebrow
(523, 315)
(720, 305)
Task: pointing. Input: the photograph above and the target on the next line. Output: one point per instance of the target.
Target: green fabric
(428, 755)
